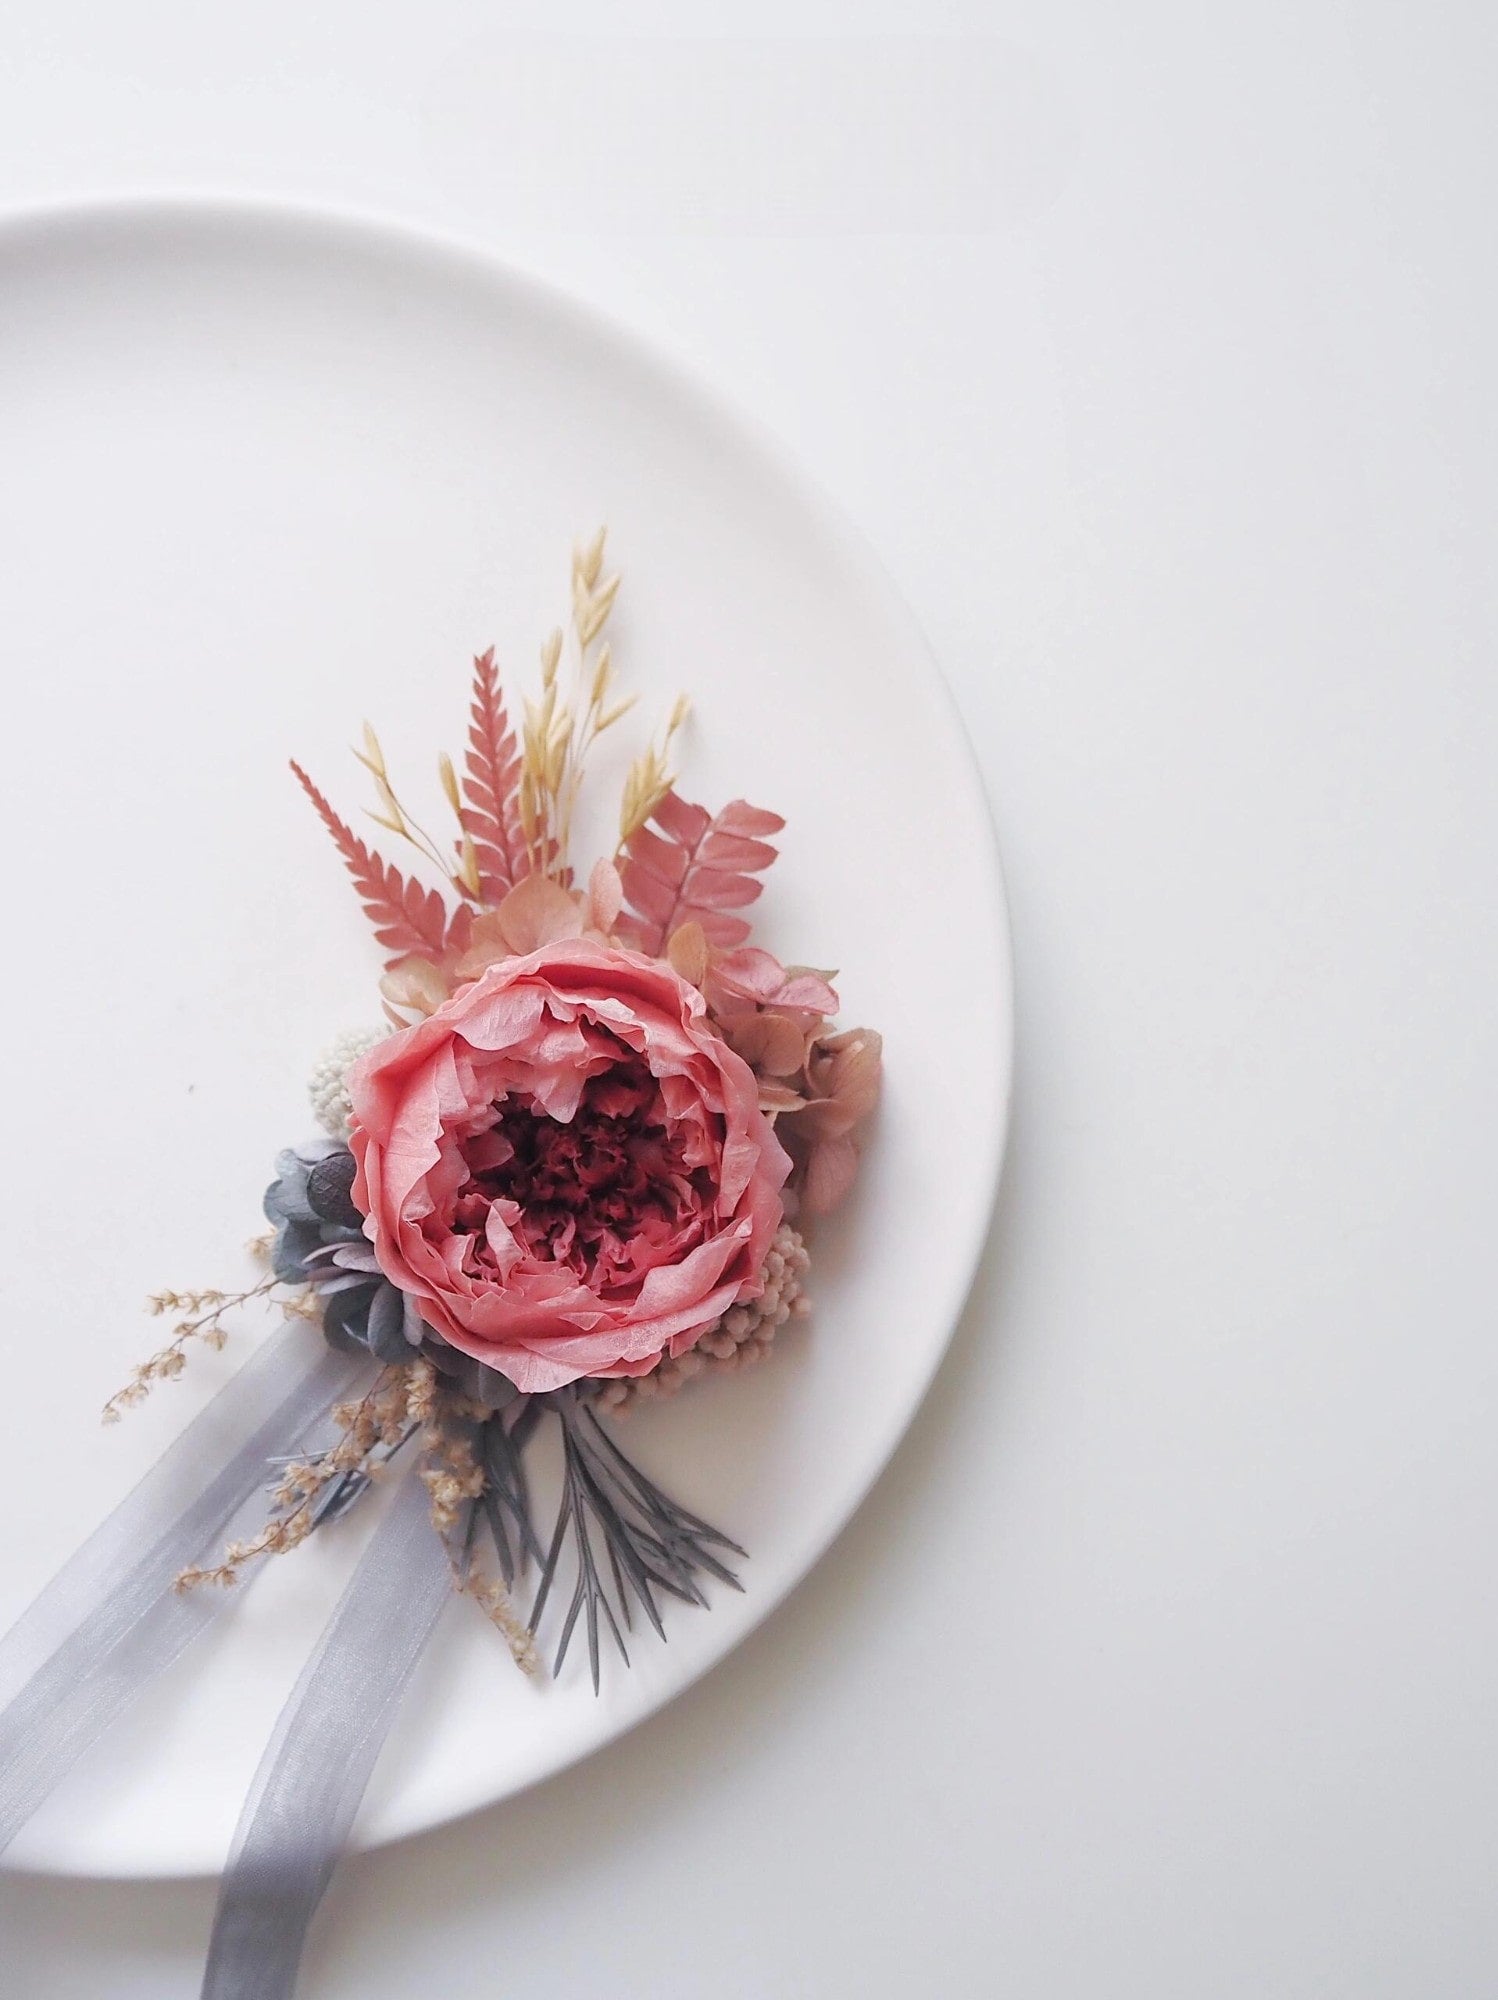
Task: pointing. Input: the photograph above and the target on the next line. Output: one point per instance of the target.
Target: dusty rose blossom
(822, 1087)
(840, 1088)
(566, 1166)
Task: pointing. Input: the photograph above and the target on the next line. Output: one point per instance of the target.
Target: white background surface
(1150, 346)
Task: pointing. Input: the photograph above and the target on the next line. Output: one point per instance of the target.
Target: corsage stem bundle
(575, 1167)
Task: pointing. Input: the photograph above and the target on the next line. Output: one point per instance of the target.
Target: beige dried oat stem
(650, 776)
(395, 819)
(560, 729)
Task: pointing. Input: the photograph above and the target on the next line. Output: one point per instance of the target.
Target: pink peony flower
(565, 1166)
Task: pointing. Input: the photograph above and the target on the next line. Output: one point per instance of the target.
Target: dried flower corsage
(573, 1169)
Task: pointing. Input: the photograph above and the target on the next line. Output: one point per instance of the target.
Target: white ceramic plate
(267, 473)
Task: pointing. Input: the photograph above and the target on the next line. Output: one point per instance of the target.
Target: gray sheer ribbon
(317, 1764)
(110, 1620)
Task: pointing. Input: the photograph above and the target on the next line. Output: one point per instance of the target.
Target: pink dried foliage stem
(687, 866)
(490, 810)
(409, 920)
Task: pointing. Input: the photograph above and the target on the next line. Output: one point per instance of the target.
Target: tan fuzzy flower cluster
(450, 1469)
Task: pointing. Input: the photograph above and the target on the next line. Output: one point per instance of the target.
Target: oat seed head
(588, 559)
(372, 756)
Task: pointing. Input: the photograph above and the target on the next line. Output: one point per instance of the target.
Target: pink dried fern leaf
(688, 867)
(490, 811)
(409, 920)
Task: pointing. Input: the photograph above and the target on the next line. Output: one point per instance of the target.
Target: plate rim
(374, 231)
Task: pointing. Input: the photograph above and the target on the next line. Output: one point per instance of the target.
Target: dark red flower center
(609, 1193)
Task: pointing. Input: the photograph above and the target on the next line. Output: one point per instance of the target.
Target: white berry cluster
(327, 1087)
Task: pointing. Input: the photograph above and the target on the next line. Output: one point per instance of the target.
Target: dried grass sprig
(561, 729)
(309, 1491)
(395, 818)
(202, 1321)
(517, 796)
(546, 737)
(456, 1476)
(650, 777)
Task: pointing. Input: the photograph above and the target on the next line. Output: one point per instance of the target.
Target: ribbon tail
(317, 1764)
(110, 1620)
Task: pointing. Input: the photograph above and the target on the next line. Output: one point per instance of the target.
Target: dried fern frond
(490, 810)
(409, 920)
(685, 866)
